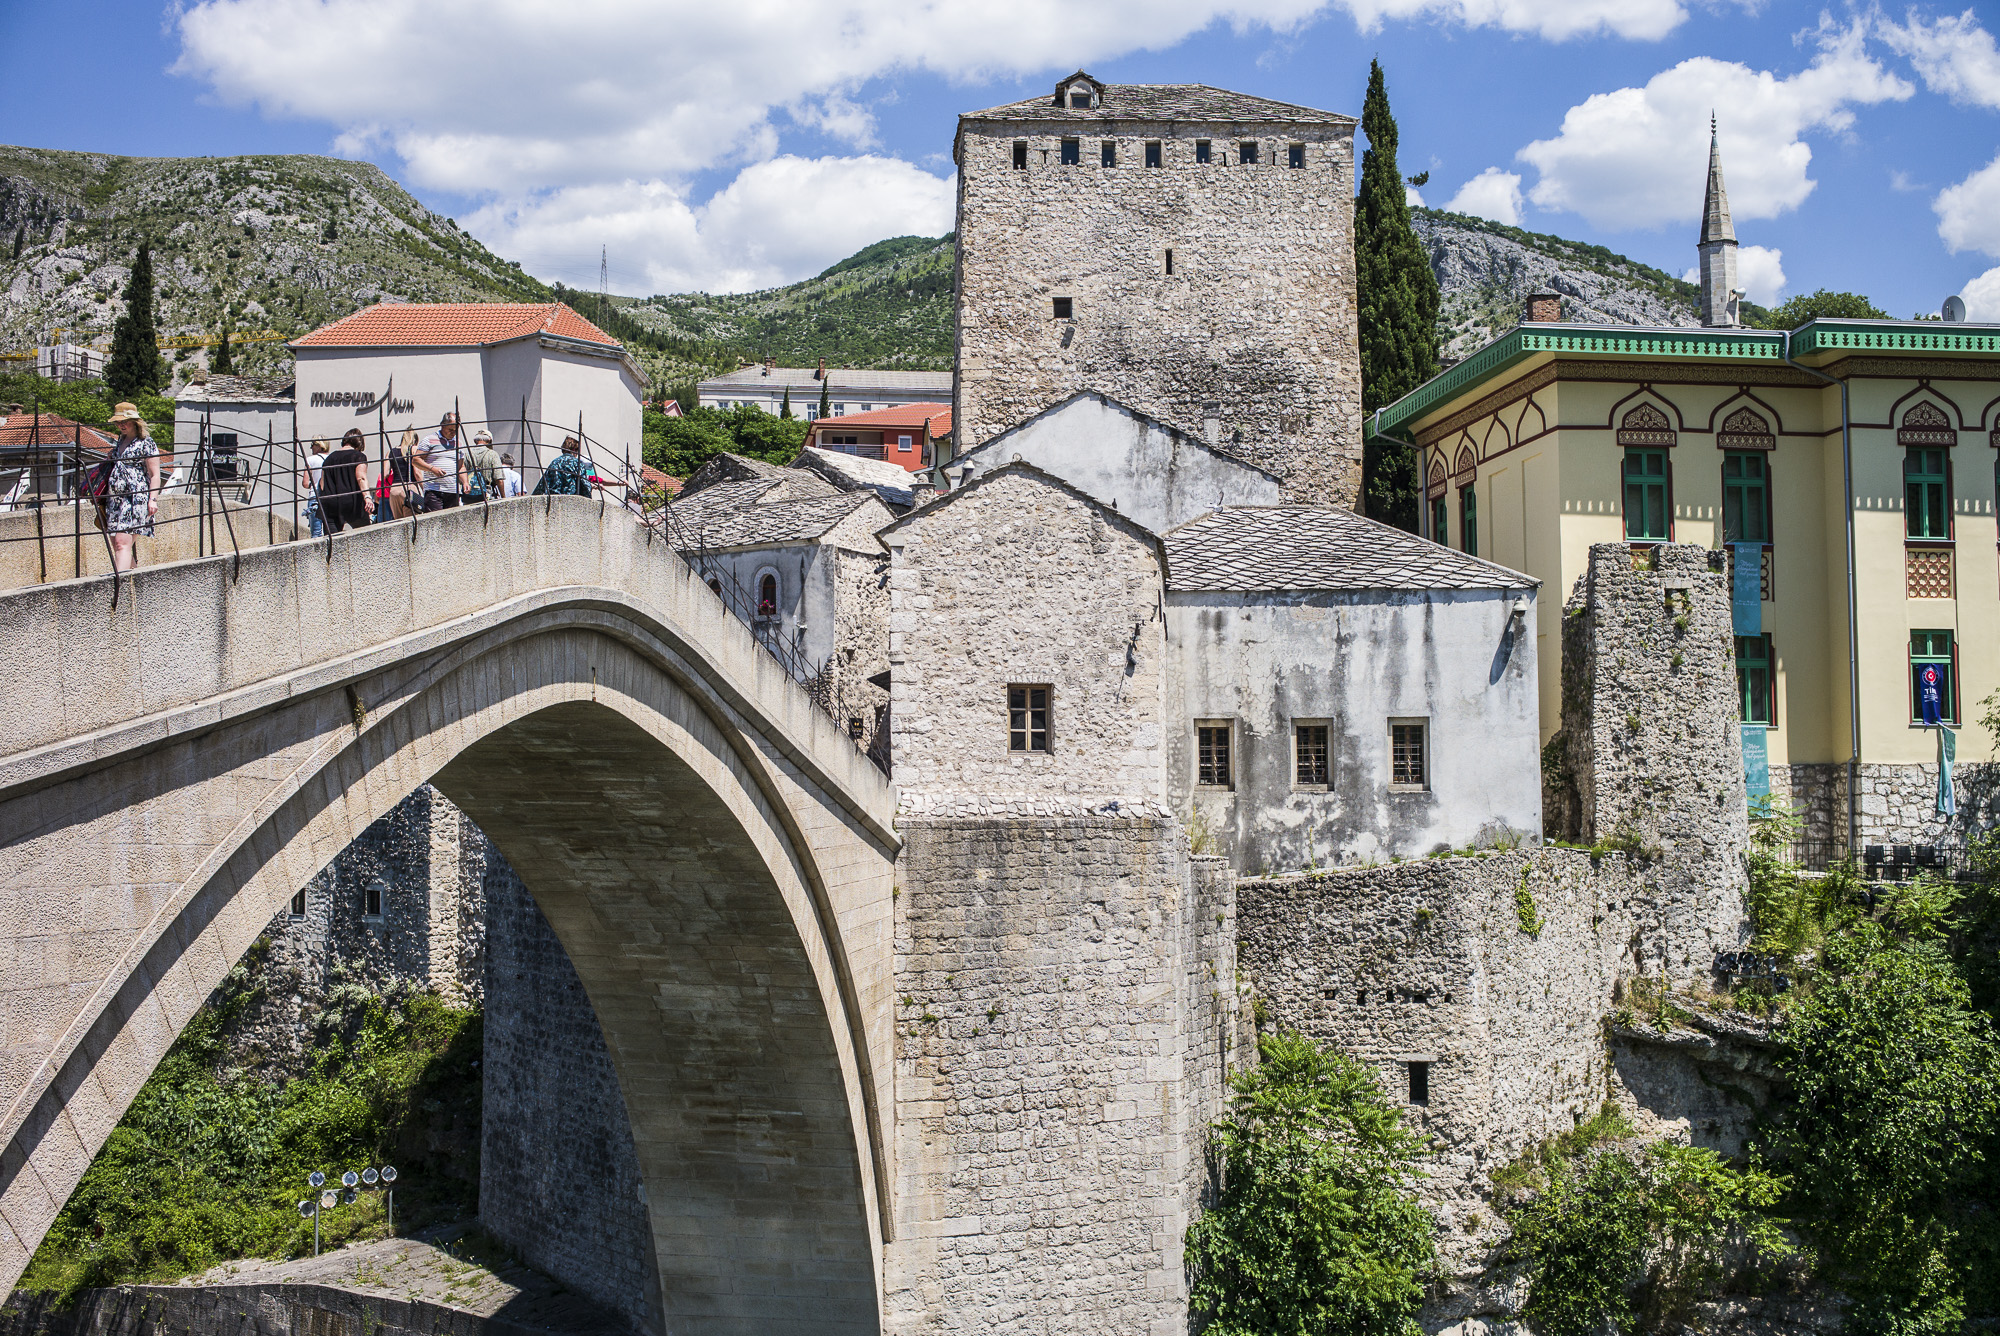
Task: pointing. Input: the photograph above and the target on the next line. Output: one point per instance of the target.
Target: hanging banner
(1746, 617)
(1947, 795)
(1756, 762)
(1930, 695)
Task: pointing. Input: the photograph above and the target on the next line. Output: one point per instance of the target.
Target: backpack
(97, 482)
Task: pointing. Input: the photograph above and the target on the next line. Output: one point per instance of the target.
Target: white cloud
(1760, 274)
(1955, 56)
(776, 221)
(1411, 197)
(1491, 194)
(1982, 297)
(1637, 157)
(1969, 212)
(1557, 20)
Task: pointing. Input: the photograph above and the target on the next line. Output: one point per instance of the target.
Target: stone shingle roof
(733, 514)
(1318, 547)
(888, 480)
(245, 389)
(1161, 102)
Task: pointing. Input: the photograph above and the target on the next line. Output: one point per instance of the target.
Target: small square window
(1153, 153)
(902, 443)
(1020, 155)
(371, 899)
(1213, 762)
(1201, 150)
(1295, 156)
(299, 903)
(1409, 757)
(1246, 153)
(1028, 719)
(1420, 1082)
(1312, 763)
(1080, 101)
(1072, 152)
(1062, 308)
(1107, 153)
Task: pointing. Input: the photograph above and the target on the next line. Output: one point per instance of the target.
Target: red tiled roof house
(904, 435)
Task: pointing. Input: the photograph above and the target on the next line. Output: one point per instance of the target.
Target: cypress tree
(785, 405)
(825, 388)
(135, 366)
(1398, 297)
(220, 363)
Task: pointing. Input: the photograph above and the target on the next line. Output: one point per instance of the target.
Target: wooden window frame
(1763, 484)
(1301, 781)
(1441, 520)
(1943, 481)
(1205, 776)
(1422, 784)
(1667, 488)
(1022, 707)
(1468, 519)
(1768, 664)
(1949, 661)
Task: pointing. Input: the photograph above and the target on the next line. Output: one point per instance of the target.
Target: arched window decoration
(767, 596)
(1646, 425)
(1465, 466)
(1746, 429)
(1435, 485)
(1925, 424)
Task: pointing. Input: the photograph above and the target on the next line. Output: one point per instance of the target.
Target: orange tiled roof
(666, 482)
(447, 324)
(902, 415)
(20, 430)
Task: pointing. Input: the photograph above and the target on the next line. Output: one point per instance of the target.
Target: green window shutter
(1926, 493)
(1754, 681)
(1468, 520)
(1440, 522)
(1746, 497)
(1646, 514)
(1934, 649)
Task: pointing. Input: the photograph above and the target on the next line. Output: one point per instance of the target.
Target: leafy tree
(1822, 305)
(135, 364)
(1584, 1237)
(221, 362)
(680, 445)
(1896, 1081)
(759, 435)
(1315, 1231)
(1398, 296)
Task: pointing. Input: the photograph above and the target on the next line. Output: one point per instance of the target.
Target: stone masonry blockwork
(1065, 994)
(1254, 331)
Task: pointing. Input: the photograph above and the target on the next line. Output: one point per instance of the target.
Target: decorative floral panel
(1927, 572)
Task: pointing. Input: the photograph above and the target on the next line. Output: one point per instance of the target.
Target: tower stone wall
(1217, 296)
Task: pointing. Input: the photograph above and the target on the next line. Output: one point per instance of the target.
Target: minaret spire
(1719, 295)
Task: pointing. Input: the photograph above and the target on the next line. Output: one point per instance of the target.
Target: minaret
(1717, 246)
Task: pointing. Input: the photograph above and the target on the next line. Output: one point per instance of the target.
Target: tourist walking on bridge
(132, 482)
(343, 484)
(439, 462)
(482, 470)
(567, 474)
(309, 486)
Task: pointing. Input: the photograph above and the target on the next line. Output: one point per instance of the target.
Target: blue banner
(1746, 616)
(1756, 761)
(1930, 695)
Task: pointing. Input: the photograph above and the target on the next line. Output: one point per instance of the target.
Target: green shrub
(1314, 1230)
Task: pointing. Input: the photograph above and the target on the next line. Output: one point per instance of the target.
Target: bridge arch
(716, 871)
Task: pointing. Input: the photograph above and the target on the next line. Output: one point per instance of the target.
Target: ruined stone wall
(1250, 343)
(1017, 578)
(860, 649)
(424, 862)
(1065, 1001)
(1650, 748)
(558, 1172)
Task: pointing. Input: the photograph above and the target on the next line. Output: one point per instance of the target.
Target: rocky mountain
(289, 242)
(1486, 271)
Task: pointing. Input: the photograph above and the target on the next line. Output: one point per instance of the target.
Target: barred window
(299, 903)
(1313, 766)
(1408, 762)
(1028, 719)
(1212, 747)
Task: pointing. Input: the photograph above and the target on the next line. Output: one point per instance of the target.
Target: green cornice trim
(1815, 336)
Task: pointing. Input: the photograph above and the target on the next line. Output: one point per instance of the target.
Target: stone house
(1318, 688)
(1185, 249)
(1848, 467)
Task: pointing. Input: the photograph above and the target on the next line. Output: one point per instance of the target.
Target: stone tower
(1719, 295)
(1184, 250)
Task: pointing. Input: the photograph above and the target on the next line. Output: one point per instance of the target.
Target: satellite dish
(388, 1173)
(1954, 310)
(316, 1179)
(349, 1179)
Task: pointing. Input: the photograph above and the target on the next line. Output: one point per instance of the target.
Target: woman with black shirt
(343, 484)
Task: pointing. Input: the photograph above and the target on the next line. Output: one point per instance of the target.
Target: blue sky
(733, 147)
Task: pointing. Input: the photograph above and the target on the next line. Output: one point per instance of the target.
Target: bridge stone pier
(713, 853)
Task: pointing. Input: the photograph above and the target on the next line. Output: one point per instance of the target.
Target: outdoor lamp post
(325, 1198)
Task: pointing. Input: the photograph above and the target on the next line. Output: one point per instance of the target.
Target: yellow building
(1875, 438)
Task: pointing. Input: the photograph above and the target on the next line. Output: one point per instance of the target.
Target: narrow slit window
(1213, 762)
(1420, 1082)
(1201, 150)
(1028, 719)
(1313, 767)
(767, 596)
(299, 903)
(1295, 156)
(1020, 155)
(1062, 308)
(371, 900)
(1072, 152)
(1152, 153)
(1756, 685)
(1409, 765)
(1246, 153)
(1170, 262)
(1107, 153)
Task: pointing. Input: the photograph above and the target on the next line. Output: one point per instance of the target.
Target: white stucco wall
(254, 423)
(1154, 475)
(1355, 661)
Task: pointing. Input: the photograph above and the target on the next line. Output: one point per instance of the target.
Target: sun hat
(126, 413)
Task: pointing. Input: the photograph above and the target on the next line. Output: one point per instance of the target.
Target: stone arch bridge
(714, 854)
